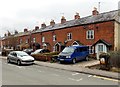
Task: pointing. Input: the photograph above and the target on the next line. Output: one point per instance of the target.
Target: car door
(15, 57)
(11, 56)
(76, 54)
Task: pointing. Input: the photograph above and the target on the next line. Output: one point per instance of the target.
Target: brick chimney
(52, 23)
(77, 16)
(36, 28)
(43, 25)
(63, 20)
(25, 30)
(95, 12)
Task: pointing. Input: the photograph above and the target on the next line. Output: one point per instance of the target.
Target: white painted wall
(97, 51)
(117, 36)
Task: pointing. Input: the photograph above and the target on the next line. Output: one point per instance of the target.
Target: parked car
(73, 54)
(28, 51)
(40, 51)
(20, 57)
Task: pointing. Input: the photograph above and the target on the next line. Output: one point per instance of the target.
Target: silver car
(20, 57)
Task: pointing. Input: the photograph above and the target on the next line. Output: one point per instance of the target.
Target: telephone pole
(99, 6)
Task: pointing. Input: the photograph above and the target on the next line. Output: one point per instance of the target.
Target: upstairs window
(20, 41)
(69, 36)
(34, 40)
(90, 34)
(27, 40)
(43, 39)
(54, 38)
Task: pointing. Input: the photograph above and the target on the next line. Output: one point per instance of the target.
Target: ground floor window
(100, 48)
(91, 49)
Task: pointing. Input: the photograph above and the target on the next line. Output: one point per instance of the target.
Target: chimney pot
(9, 33)
(36, 27)
(77, 16)
(52, 23)
(25, 30)
(95, 12)
(63, 20)
(43, 25)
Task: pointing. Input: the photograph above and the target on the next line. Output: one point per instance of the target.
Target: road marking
(104, 78)
(79, 79)
(39, 71)
(55, 74)
(75, 79)
(10, 64)
(20, 67)
(75, 74)
(71, 79)
(89, 76)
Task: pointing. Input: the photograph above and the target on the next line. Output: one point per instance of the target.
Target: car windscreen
(37, 51)
(68, 50)
(22, 54)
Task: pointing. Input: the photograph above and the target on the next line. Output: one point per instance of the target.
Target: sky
(20, 14)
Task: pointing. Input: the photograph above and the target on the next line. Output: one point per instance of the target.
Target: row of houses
(99, 31)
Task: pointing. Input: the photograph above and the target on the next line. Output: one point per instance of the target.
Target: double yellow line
(104, 78)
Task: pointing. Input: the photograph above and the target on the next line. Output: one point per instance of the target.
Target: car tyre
(74, 61)
(18, 62)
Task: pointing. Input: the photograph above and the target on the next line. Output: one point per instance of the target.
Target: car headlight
(67, 56)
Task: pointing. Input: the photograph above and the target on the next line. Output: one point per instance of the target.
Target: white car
(40, 51)
(20, 57)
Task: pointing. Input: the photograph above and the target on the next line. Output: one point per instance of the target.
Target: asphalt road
(40, 75)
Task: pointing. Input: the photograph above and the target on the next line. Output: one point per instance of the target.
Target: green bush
(115, 58)
(46, 56)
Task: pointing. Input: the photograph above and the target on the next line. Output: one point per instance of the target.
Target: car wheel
(8, 60)
(74, 61)
(87, 58)
(18, 62)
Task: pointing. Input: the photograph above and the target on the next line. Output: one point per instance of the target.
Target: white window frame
(91, 49)
(101, 46)
(54, 37)
(20, 41)
(26, 41)
(69, 36)
(43, 39)
(90, 34)
(34, 40)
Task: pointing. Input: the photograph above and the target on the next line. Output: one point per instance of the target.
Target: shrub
(115, 58)
(52, 56)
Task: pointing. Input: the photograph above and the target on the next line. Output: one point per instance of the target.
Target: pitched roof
(102, 41)
(107, 16)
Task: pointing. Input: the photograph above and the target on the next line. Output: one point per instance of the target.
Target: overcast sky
(20, 14)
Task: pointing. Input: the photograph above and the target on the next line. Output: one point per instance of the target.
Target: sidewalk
(79, 67)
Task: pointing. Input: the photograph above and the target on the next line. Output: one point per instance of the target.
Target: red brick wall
(103, 30)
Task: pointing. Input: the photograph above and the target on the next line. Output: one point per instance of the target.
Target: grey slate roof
(107, 16)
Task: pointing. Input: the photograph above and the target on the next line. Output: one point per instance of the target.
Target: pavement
(79, 67)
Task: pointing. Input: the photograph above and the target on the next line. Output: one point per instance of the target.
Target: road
(40, 75)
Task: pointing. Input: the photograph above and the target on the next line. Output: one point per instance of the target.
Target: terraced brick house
(99, 31)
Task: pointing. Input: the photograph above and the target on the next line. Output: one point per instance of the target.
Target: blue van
(73, 54)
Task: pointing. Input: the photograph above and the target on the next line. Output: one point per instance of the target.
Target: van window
(83, 49)
(68, 50)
